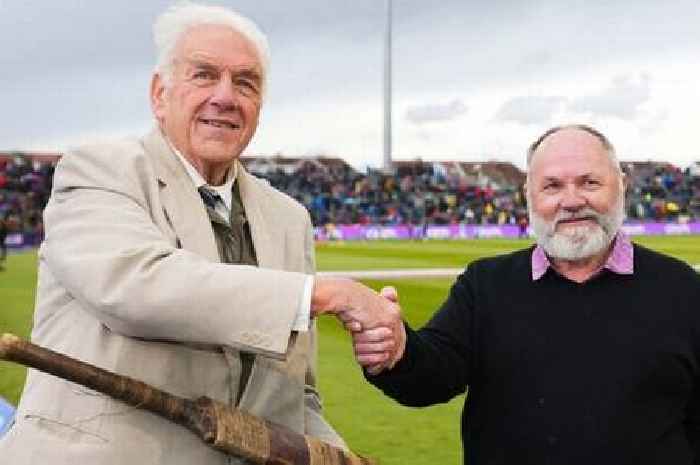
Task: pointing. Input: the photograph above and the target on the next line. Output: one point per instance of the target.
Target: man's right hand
(375, 320)
(358, 306)
(369, 344)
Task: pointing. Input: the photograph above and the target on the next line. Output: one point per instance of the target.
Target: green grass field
(371, 423)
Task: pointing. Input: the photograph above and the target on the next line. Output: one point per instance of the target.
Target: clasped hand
(374, 319)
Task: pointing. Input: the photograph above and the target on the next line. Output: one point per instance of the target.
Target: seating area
(25, 186)
(662, 192)
(417, 192)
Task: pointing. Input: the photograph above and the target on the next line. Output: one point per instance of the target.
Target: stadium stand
(25, 186)
(416, 193)
(662, 192)
(458, 192)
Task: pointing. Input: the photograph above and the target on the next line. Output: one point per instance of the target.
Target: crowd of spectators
(469, 193)
(662, 192)
(25, 186)
(416, 193)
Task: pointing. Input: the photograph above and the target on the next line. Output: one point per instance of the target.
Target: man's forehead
(571, 138)
(212, 43)
(206, 61)
(570, 151)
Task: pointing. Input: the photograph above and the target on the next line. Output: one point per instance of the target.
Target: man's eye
(248, 86)
(203, 75)
(549, 187)
(591, 183)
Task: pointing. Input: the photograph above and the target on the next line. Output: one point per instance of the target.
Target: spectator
(3, 237)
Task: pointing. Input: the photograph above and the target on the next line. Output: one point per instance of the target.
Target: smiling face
(575, 195)
(209, 107)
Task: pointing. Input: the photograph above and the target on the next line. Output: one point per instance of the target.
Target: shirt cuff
(303, 318)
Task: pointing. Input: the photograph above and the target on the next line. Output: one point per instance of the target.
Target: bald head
(544, 139)
(572, 141)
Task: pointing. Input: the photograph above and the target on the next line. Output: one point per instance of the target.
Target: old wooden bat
(227, 429)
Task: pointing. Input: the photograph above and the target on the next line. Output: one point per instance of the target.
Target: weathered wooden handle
(227, 429)
(131, 391)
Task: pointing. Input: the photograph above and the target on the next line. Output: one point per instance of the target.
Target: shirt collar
(225, 190)
(620, 260)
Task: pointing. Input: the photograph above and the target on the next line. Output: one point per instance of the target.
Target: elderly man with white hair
(165, 261)
(583, 349)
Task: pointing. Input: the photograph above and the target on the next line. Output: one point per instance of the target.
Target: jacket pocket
(65, 409)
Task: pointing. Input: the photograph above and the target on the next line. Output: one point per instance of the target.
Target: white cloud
(530, 109)
(85, 68)
(623, 99)
(421, 114)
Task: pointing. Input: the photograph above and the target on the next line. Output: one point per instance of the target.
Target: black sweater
(604, 372)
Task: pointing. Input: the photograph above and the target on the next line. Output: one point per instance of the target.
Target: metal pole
(387, 90)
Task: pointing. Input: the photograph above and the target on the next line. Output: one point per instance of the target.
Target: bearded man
(584, 349)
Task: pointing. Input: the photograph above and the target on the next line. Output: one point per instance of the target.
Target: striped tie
(235, 244)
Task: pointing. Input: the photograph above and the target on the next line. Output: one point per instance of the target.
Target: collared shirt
(225, 191)
(620, 260)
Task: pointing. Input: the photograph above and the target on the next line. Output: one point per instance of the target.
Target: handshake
(373, 319)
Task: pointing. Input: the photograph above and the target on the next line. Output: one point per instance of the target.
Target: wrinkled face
(209, 108)
(575, 196)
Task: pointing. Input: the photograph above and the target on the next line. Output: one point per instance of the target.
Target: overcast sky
(473, 80)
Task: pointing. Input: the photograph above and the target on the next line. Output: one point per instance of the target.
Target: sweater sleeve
(692, 425)
(436, 365)
(692, 413)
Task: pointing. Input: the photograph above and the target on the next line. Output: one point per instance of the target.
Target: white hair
(171, 26)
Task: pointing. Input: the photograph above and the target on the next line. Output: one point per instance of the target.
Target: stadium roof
(38, 156)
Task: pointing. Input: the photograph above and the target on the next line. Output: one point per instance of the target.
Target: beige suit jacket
(130, 280)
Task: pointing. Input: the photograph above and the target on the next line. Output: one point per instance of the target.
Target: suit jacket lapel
(266, 240)
(181, 201)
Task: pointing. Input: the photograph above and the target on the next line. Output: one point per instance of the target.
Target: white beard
(578, 242)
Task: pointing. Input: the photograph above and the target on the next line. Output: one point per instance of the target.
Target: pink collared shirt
(620, 260)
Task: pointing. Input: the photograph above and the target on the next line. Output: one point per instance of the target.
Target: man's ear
(526, 186)
(157, 96)
(625, 182)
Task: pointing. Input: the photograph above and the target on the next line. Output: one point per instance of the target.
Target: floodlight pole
(387, 166)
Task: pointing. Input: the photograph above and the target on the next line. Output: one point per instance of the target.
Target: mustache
(583, 214)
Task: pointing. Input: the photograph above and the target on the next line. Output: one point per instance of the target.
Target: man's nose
(573, 199)
(223, 96)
